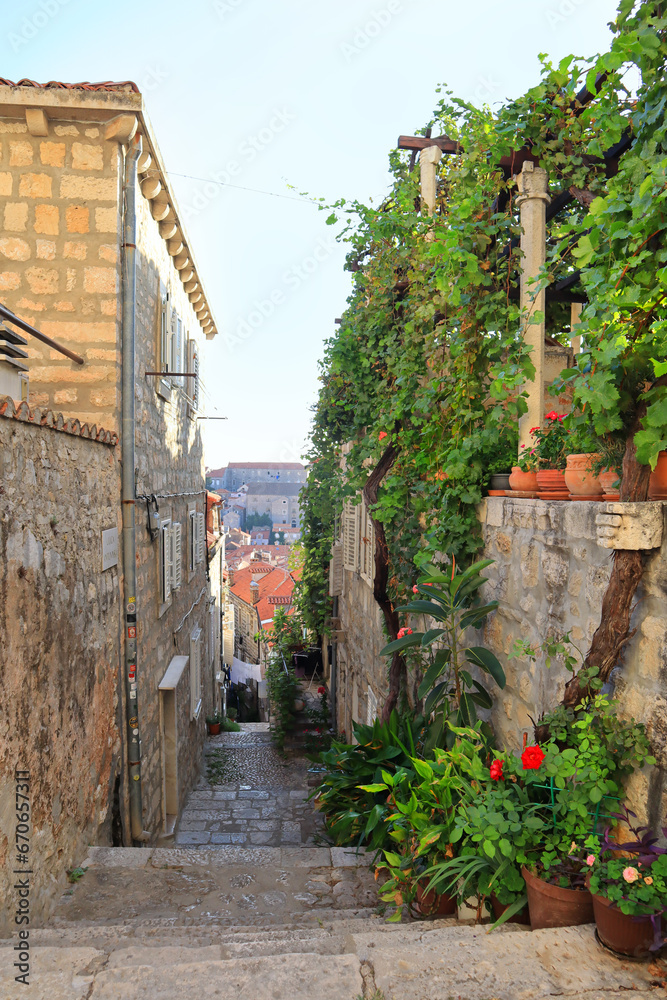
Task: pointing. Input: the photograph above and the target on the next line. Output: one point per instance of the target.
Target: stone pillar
(428, 167)
(532, 201)
(575, 317)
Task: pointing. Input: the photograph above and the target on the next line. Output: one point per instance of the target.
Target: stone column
(575, 317)
(428, 167)
(532, 201)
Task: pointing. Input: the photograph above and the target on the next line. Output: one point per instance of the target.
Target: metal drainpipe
(129, 265)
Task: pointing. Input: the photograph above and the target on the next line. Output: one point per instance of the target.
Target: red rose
(531, 758)
(551, 416)
(321, 690)
(496, 770)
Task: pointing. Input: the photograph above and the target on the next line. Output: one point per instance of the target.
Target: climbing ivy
(429, 356)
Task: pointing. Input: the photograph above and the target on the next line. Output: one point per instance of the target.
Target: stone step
(437, 961)
(87, 974)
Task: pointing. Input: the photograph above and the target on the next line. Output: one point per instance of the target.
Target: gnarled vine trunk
(614, 631)
(397, 669)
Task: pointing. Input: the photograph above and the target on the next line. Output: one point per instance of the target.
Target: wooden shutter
(195, 673)
(371, 707)
(177, 573)
(212, 630)
(350, 535)
(192, 387)
(367, 547)
(201, 536)
(166, 560)
(192, 540)
(336, 570)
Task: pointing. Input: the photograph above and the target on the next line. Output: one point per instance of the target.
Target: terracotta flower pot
(523, 482)
(579, 475)
(551, 485)
(522, 917)
(607, 480)
(657, 487)
(430, 904)
(551, 906)
(213, 728)
(623, 934)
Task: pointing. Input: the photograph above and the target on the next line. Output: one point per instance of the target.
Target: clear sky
(270, 93)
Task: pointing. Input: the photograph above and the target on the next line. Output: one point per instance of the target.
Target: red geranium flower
(321, 690)
(403, 631)
(531, 758)
(415, 589)
(496, 770)
(382, 435)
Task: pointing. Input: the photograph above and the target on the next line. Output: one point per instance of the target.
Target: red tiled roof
(276, 582)
(54, 421)
(213, 498)
(279, 599)
(126, 85)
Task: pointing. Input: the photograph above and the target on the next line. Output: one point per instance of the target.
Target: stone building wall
(59, 260)
(169, 460)
(60, 639)
(549, 577)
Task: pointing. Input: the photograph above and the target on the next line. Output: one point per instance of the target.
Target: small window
(166, 560)
(177, 563)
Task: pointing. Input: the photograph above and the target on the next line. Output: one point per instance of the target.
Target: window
(177, 347)
(196, 539)
(371, 707)
(177, 562)
(366, 545)
(195, 673)
(350, 524)
(163, 329)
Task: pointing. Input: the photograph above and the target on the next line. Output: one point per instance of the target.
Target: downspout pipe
(129, 293)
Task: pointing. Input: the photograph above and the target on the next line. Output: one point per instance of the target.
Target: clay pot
(657, 487)
(623, 934)
(522, 917)
(523, 482)
(213, 728)
(579, 475)
(551, 485)
(607, 480)
(551, 906)
(430, 904)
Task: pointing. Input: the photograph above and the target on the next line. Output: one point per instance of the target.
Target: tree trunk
(397, 669)
(614, 631)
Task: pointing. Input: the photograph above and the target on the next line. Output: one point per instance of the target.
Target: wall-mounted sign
(109, 548)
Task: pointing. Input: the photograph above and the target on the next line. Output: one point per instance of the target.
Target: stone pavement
(249, 794)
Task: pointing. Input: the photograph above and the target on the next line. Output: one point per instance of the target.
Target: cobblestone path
(249, 795)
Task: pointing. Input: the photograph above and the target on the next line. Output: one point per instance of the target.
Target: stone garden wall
(549, 576)
(60, 638)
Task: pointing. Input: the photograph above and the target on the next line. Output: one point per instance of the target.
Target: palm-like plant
(452, 693)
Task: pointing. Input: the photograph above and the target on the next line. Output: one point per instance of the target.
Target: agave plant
(452, 693)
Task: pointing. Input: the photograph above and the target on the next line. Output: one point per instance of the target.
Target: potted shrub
(556, 887)
(523, 478)
(499, 467)
(580, 470)
(609, 466)
(214, 723)
(628, 882)
(550, 446)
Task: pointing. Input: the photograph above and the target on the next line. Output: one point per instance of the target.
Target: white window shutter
(371, 707)
(176, 578)
(201, 537)
(165, 345)
(212, 631)
(192, 558)
(195, 673)
(167, 561)
(336, 570)
(192, 388)
(350, 536)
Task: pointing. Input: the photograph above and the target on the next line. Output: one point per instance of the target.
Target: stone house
(237, 473)
(254, 594)
(280, 501)
(128, 305)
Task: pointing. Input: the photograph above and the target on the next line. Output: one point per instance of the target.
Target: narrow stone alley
(249, 903)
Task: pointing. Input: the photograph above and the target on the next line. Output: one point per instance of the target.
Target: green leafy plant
(551, 441)
(76, 874)
(216, 719)
(354, 809)
(452, 693)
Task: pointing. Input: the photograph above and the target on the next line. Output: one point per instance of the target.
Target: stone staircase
(289, 924)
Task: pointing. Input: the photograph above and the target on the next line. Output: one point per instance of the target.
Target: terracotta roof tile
(55, 421)
(128, 86)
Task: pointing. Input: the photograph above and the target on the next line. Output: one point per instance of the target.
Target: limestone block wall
(169, 462)
(60, 637)
(59, 260)
(549, 576)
